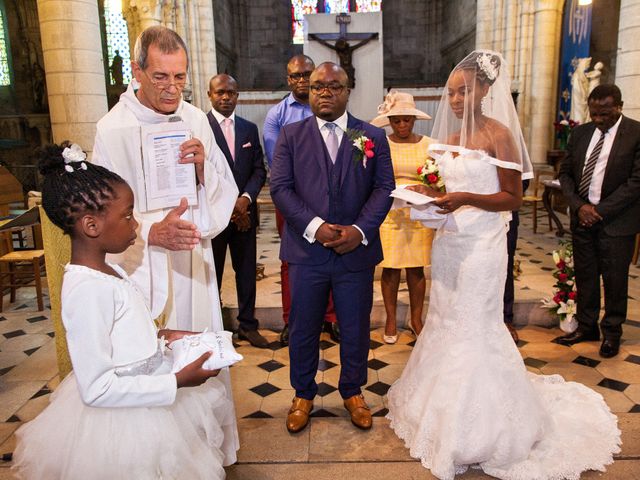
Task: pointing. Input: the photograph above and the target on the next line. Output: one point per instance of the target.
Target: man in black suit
(239, 141)
(600, 179)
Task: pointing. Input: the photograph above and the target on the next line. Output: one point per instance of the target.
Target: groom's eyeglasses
(334, 88)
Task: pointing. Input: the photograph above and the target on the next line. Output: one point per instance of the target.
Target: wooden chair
(21, 264)
(17, 265)
(535, 198)
(636, 250)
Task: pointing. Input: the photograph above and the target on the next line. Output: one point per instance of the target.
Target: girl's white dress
(465, 397)
(120, 414)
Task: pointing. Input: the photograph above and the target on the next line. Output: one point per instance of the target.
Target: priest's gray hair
(164, 38)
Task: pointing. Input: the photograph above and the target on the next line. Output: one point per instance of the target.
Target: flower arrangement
(565, 295)
(563, 130)
(430, 176)
(364, 146)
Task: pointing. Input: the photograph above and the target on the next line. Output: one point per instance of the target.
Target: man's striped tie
(587, 174)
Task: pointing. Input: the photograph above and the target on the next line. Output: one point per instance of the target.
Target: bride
(465, 397)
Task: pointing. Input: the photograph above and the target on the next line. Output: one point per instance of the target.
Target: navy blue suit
(305, 184)
(250, 174)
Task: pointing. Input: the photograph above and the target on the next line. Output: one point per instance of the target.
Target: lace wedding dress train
(465, 397)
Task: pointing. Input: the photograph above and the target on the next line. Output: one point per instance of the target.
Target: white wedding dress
(465, 397)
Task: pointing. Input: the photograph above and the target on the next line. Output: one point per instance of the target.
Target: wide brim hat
(397, 104)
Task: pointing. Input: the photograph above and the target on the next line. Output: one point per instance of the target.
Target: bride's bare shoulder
(498, 128)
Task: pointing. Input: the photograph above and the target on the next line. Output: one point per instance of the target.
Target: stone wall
(253, 41)
(226, 23)
(24, 119)
(27, 93)
(422, 40)
(604, 37)
(458, 35)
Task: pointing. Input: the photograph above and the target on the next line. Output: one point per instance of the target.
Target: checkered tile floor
(28, 372)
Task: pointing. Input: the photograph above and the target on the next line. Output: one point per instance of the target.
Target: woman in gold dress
(405, 243)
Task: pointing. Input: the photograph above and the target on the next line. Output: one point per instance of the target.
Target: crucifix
(342, 46)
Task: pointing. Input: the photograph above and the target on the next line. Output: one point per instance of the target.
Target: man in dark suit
(239, 141)
(333, 197)
(600, 179)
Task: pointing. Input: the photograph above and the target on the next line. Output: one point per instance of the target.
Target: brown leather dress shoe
(360, 412)
(254, 338)
(298, 416)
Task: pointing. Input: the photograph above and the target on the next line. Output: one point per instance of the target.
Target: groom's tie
(332, 141)
(587, 174)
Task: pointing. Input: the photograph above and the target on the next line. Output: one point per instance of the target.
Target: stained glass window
(117, 40)
(368, 5)
(298, 9)
(336, 6)
(5, 77)
(301, 7)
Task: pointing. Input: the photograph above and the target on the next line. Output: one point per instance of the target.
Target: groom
(333, 197)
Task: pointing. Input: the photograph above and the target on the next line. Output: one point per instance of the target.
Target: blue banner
(576, 35)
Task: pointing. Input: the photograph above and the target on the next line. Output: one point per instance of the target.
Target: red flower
(573, 295)
(368, 145)
(557, 298)
(563, 277)
(561, 265)
(432, 178)
(368, 153)
(419, 170)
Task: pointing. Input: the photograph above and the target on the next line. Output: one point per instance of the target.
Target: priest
(171, 261)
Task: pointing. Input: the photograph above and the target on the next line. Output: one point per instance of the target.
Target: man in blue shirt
(293, 108)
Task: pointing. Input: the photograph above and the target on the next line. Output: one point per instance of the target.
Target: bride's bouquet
(565, 295)
(430, 176)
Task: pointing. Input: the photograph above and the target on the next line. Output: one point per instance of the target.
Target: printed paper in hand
(410, 196)
(166, 180)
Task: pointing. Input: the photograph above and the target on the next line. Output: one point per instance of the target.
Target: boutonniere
(363, 144)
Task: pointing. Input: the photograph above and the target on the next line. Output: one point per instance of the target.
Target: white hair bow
(74, 154)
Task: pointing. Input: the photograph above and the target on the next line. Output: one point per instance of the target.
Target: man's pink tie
(228, 135)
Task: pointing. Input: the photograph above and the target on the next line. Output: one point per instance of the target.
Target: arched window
(301, 7)
(368, 5)
(5, 74)
(117, 41)
(336, 6)
(298, 10)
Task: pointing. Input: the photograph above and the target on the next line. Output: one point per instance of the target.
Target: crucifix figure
(342, 46)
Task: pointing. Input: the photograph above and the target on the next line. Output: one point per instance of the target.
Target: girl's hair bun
(50, 158)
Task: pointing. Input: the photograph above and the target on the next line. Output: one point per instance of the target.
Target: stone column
(544, 69)
(628, 59)
(194, 23)
(484, 20)
(72, 51)
(140, 14)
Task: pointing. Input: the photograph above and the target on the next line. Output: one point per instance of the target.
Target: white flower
(74, 154)
(568, 309)
(556, 257)
(485, 64)
(564, 122)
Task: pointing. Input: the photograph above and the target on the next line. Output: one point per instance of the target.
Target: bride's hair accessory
(489, 64)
